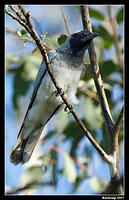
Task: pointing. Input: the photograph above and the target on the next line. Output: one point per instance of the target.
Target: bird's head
(78, 42)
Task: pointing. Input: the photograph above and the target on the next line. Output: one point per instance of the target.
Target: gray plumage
(66, 63)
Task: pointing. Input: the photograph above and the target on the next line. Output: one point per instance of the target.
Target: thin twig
(17, 19)
(115, 36)
(64, 20)
(17, 13)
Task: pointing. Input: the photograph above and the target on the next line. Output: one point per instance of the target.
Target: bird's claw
(68, 109)
(59, 92)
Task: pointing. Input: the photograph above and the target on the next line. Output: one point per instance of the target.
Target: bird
(66, 63)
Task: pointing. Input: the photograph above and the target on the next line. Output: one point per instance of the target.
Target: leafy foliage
(23, 76)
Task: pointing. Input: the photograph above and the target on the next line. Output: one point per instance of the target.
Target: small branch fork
(23, 18)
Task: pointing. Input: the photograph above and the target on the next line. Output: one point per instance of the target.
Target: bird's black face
(80, 41)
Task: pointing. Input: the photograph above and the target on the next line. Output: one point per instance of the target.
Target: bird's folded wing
(40, 75)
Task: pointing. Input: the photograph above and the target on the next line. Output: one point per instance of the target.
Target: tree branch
(95, 71)
(115, 36)
(113, 130)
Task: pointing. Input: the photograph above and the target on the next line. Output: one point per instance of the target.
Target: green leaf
(45, 158)
(52, 41)
(49, 135)
(54, 165)
(62, 117)
(24, 74)
(96, 14)
(23, 32)
(12, 58)
(108, 67)
(73, 132)
(20, 87)
(92, 114)
(31, 64)
(33, 174)
(80, 177)
(35, 49)
(98, 184)
(119, 16)
(69, 168)
(107, 37)
(62, 39)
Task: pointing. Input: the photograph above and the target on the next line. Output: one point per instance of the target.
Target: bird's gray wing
(41, 73)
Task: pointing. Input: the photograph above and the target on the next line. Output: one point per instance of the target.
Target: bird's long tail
(23, 149)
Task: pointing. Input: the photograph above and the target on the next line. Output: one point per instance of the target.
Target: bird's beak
(87, 35)
(93, 35)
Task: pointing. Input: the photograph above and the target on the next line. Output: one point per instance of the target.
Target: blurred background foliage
(63, 150)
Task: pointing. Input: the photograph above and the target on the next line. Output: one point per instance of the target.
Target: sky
(12, 123)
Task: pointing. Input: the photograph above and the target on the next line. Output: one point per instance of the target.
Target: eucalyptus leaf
(108, 67)
(80, 177)
(24, 73)
(92, 114)
(69, 168)
(33, 174)
(54, 166)
(23, 32)
(98, 184)
(62, 39)
(20, 87)
(96, 14)
(107, 37)
(120, 15)
(73, 133)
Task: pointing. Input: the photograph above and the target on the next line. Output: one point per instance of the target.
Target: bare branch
(17, 19)
(17, 13)
(95, 71)
(113, 140)
(115, 36)
(113, 186)
(64, 20)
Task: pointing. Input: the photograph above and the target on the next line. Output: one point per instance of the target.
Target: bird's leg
(60, 92)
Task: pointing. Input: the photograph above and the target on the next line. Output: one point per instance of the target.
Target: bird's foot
(68, 109)
(59, 92)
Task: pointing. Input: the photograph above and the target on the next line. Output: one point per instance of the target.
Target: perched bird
(66, 64)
